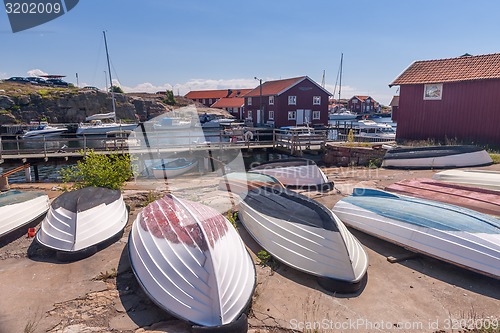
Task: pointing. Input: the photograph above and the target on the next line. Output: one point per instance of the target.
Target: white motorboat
(477, 178)
(44, 130)
(305, 235)
(98, 127)
(454, 234)
(192, 263)
(296, 173)
(172, 123)
(19, 209)
(174, 168)
(436, 157)
(370, 129)
(342, 115)
(78, 222)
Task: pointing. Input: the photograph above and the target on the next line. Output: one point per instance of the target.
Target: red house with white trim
(362, 104)
(454, 98)
(289, 102)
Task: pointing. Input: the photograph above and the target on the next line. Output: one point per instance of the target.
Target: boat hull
(477, 178)
(82, 219)
(453, 234)
(179, 254)
(103, 129)
(18, 209)
(481, 200)
(303, 234)
(436, 157)
(41, 134)
(160, 172)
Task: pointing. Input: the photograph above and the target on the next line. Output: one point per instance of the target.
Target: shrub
(169, 98)
(116, 89)
(110, 171)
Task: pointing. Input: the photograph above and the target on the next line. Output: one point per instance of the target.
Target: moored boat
(296, 173)
(436, 157)
(481, 200)
(174, 168)
(192, 263)
(450, 233)
(477, 178)
(80, 221)
(305, 235)
(19, 209)
(44, 130)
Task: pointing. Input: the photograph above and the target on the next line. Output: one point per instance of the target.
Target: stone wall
(344, 155)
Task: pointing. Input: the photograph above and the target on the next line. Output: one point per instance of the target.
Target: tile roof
(196, 94)
(362, 98)
(464, 68)
(274, 87)
(239, 92)
(231, 102)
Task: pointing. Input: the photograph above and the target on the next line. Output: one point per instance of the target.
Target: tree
(169, 98)
(116, 89)
(99, 170)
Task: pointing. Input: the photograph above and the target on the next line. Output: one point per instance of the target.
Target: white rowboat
(477, 178)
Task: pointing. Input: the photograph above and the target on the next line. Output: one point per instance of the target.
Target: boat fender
(248, 136)
(240, 325)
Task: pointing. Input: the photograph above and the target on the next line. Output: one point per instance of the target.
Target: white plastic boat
(296, 173)
(436, 157)
(97, 127)
(44, 130)
(370, 129)
(305, 235)
(343, 115)
(477, 178)
(18, 209)
(454, 234)
(79, 221)
(174, 168)
(172, 123)
(191, 262)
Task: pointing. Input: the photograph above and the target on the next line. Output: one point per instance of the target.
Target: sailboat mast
(340, 81)
(110, 80)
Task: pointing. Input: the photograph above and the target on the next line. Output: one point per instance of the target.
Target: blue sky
(216, 44)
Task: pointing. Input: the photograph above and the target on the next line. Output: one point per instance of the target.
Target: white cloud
(36, 72)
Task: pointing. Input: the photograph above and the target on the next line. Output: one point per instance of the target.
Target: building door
(307, 116)
(300, 117)
(260, 117)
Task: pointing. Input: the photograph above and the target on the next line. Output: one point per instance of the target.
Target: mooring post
(37, 176)
(27, 173)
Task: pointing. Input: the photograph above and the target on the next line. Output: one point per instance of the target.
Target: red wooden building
(394, 108)
(288, 102)
(455, 98)
(362, 104)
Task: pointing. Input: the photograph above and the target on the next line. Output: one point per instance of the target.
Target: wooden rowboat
(481, 200)
(191, 262)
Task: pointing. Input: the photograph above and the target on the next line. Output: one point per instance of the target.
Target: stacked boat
(18, 209)
(436, 157)
(297, 173)
(81, 221)
(454, 234)
(191, 262)
(477, 178)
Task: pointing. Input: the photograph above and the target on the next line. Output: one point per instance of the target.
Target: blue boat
(174, 168)
(450, 233)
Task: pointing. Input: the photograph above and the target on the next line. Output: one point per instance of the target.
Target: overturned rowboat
(174, 168)
(305, 235)
(80, 221)
(436, 157)
(18, 209)
(453, 234)
(477, 178)
(298, 173)
(192, 263)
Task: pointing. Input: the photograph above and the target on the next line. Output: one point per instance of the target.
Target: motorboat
(44, 130)
(192, 263)
(369, 129)
(342, 115)
(170, 123)
(98, 127)
(436, 157)
(475, 198)
(174, 168)
(18, 209)
(477, 178)
(450, 233)
(296, 173)
(79, 222)
(305, 235)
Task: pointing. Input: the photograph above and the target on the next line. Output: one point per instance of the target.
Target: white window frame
(316, 115)
(271, 100)
(250, 114)
(292, 100)
(203, 101)
(316, 100)
(249, 101)
(210, 101)
(292, 115)
(271, 115)
(433, 92)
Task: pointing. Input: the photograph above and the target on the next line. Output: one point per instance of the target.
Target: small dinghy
(19, 209)
(191, 262)
(477, 178)
(174, 168)
(454, 234)
(298, 173)
(242, 182)
(80, 221)
(436, 157)
(481, 200)
(305, 235)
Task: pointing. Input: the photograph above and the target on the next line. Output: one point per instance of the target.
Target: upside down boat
(477, 178)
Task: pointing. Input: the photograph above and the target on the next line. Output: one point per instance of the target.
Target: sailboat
(94, 124)
(342, 114)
